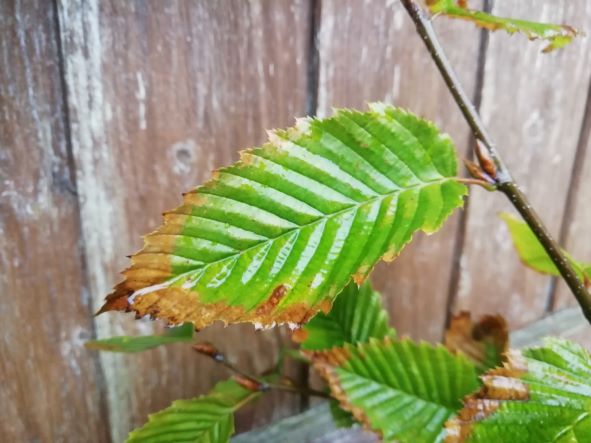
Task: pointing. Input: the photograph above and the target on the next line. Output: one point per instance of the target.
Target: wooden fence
(110, 109)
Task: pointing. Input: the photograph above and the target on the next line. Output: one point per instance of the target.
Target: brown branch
(503, 179)
(251, 381)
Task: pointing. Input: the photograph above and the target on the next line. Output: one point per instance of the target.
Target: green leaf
(183, 333)
(340, 417)
(205, 419)
(275, 237)
(532, 253)
(557, 36)
(402, 390)
(541, 395)
(356, 316)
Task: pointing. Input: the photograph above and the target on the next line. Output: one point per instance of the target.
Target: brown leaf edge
(562, 34)
(325, 362)
(499, 385)
(472, 338)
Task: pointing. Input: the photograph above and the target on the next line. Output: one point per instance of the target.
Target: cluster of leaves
(298, 217)
(470, 389)
(289, 234)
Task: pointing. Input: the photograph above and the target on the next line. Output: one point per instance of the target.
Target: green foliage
(356, 316)
(533, 254)
(275, 237)
(542, 395)
(403, 390)
(206, 419)
(557, 36)
(183, 333)
(340, 417)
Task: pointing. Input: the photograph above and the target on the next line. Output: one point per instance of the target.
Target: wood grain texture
(529, 103)
(369, 52)
(159, 94)
(49, 385)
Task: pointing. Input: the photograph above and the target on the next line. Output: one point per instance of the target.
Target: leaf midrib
(450, 409)
(179, 277)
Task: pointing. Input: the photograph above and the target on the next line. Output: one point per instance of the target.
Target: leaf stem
(475, 181)
(264, 385)
(503, 178)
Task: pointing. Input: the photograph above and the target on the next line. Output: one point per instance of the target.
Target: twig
(475, 181)
(503, 179)
(253, 382)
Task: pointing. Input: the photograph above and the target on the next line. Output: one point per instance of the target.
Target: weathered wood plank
(567, 323)
(49, 386)
(312, 426)
(369, 51)
(532, 104)
(160, 93)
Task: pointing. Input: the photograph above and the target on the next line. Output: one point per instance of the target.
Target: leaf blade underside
(273, 238)
(542, 394)
(205, 419)
(179, 334)
(402, 390)
(557, 36)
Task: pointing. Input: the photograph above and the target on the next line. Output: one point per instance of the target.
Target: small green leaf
(356, 316)
(541, 395)
(205, 419)
(533, 254)
(340, 417)
(176, 334)
(402, 390)
(275, 237)
(557, 36)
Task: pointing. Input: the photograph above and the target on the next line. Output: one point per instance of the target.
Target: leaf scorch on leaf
(275, 237)
(484, 342)
(557, 36)
(402, 390)
(540, 395)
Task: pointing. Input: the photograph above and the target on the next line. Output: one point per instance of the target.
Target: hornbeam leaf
(177, 334)
(484, 342)
(205, 419)
(557, 36)
(273, 238)
(402, 390)
(532, 253)
(356, 316)
(541, 395)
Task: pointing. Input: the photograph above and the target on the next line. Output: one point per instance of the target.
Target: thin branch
(257, 382)
(503, 178)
